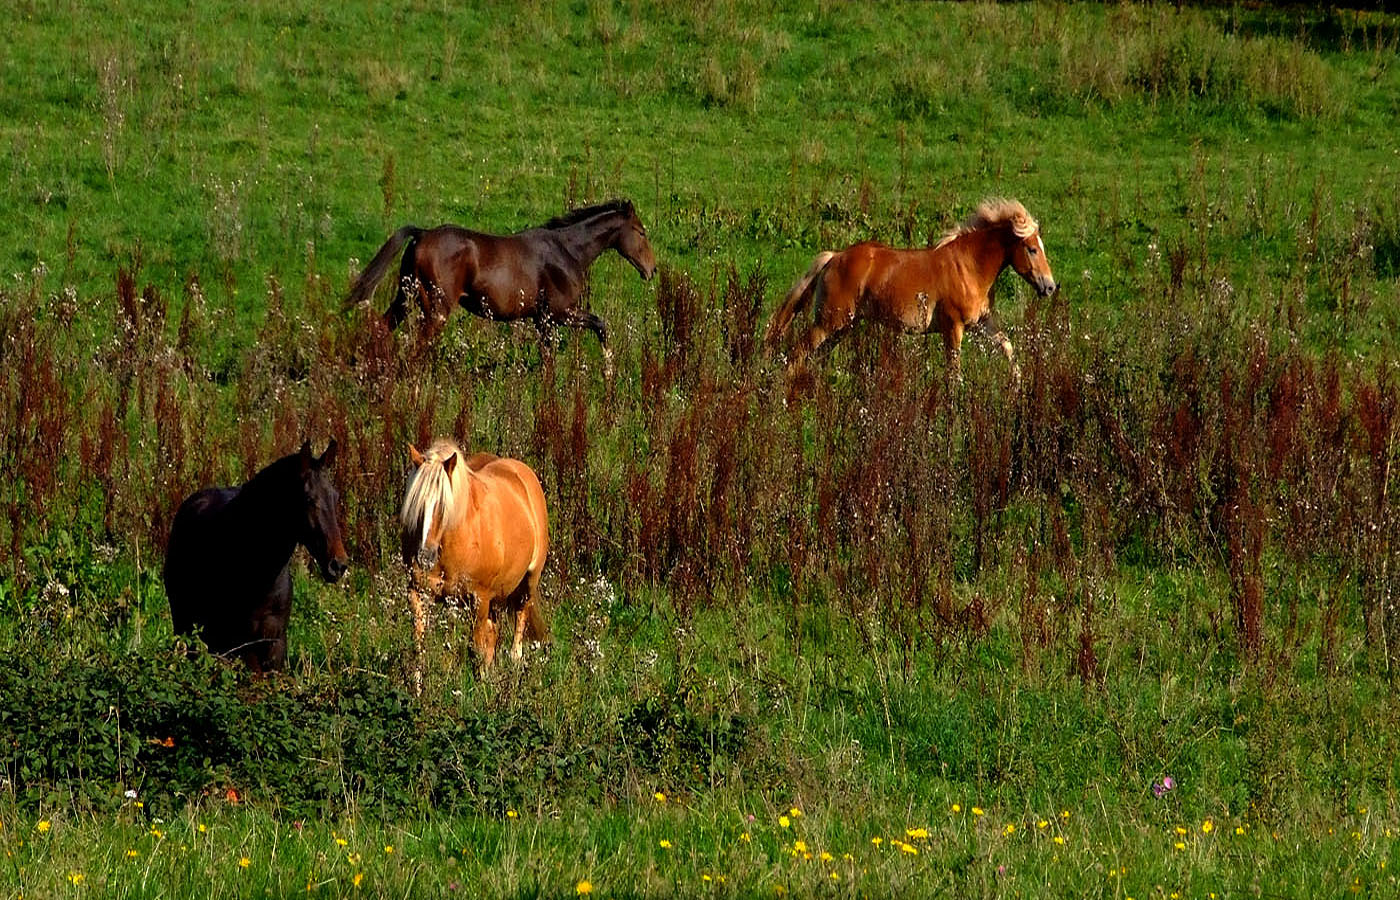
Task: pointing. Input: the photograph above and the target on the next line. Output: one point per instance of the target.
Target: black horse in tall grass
(537, 274)
(227, 565)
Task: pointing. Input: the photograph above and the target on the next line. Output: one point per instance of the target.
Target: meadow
(1124, 629)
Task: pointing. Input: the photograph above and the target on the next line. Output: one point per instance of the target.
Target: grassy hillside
(879, 635)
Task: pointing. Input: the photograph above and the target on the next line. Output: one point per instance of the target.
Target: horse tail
(796, 300)
(374, 273)
(430, 494)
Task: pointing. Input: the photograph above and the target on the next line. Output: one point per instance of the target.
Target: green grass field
(880, 637)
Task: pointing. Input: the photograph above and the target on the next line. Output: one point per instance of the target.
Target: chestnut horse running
(538, 274)
(475, 527)
(947, 288)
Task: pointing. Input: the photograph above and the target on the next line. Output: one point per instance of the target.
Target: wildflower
(130, 794)
(957, 808)
(1059, 839)
(132, 854)
(1239, 829)
(916, 832)
(341, 842)
(1009, 829)
(202, 828)
(795, 813)
(388, 848)
(779, 890)
(745, 837)
(660, 797)
(910, 849)
(877, 841)
(799, 846)
(1064, 814)
(835, 877)
(231, 795)
(244, 862)
(156, 833)
(583, 887)
(827, 857)
(1207, 826)
(1179, 845)
(977, 811)
(512, 814)
(76, 877)
(1180, 830)
(1159, 789)
(783, 821)
(44, 825)
(359, 876)
(705, 876)
(665, 844)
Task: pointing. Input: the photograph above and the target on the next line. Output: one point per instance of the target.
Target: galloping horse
(475, 526)
(226, 567)
(537, 274)
(947, 287)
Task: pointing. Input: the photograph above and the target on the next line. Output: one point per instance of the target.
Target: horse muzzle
(334, 568)
(1045, 287)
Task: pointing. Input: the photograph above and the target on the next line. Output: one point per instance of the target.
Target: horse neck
(262, 519)
(989, 253)
(587, 240)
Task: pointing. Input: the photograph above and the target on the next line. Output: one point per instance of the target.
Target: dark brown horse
(226, 567)
(947, 288)
(538, 274)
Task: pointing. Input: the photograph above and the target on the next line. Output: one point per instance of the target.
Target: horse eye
(1031, 251)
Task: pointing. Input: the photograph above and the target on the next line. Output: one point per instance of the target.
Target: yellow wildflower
(44, 825)
(388, 848)
(1179, 845)
(1239, 829)
(341, 842)
(916, 832)
(1207, 826)
(795, 812)
(1180, 830)
(132, 854)
(359, 876)
(799, 846)
(512, 814)
(1009, 829)
(957, 808)
(827, 857)
(1064, 814)
(835, 877)
(910, 849)
(877, 841)
(1041, 824)
(783, 821)
(1059, 839)
(745, 837)
(77, 877)
(665, 844)
(660, 797)
(202, 828)
(583, 887)
(244, 862)
(705, 876)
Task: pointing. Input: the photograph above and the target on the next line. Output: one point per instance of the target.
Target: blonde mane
(992, 213)
(432, 493)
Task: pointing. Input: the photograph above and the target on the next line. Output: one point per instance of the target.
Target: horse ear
(417, 458)
(306, 457)
(449, 464)
(328, 458)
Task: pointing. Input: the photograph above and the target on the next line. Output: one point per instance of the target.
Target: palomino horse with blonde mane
(947, 288)
(475, 526)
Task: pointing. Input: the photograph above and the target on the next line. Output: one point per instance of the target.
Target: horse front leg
(485, 633)
(577, 318)
(952, 349)
(999, 338)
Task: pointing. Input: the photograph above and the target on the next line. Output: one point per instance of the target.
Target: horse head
(1027, 257)
(632, 243)
(428, 505)
(321, 532)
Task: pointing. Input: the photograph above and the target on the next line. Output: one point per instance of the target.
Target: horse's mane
(432, 492)
(994, 213)
(575, 216)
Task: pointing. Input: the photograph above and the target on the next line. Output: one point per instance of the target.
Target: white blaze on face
(427, 523)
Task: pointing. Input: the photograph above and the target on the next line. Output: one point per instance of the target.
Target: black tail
(374, 273)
